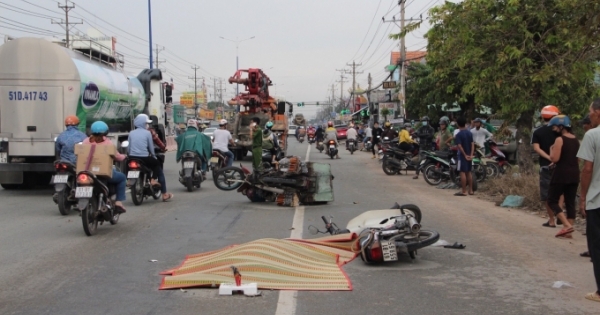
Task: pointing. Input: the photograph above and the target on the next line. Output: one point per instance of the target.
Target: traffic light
(168, 93)
(301, 104)
(317, 103)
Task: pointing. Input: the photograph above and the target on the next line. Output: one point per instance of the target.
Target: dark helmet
(425, 118)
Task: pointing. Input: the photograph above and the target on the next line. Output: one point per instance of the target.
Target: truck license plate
(3, 157)
(84, 192)
(189, 164)
(60, 179)
(389, 251)
(133, 174)
(214, 159)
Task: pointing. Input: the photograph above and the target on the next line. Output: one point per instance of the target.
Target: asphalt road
(49, 266)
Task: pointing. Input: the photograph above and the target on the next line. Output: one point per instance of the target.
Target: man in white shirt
(368, 135)
(351, 133)
(480, 134)
(221, 139)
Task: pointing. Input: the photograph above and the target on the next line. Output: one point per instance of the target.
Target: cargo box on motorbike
(100, 163)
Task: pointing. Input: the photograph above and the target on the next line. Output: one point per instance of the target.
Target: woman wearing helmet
(66, 141)
(99, 131)
(565, 180)
(542, 139)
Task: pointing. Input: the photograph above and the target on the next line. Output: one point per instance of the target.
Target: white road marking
(287, 302)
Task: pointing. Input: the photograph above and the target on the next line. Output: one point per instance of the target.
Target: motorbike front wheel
(229, 178)
(493, 170)
(431, 175)
(387, 167)
(414, 242)
(479, 172)
(89, 216)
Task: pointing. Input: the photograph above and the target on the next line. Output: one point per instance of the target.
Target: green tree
(384, 112)
(517, 56)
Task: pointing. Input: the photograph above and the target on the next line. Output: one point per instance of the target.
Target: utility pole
(195, 68)
(157, 51)
(341, 81)
(66, 22)
(402, 62)
(354, 65)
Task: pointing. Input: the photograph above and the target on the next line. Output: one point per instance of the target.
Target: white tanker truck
(42, 82)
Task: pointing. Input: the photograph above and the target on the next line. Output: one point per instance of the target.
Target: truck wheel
(11, 186)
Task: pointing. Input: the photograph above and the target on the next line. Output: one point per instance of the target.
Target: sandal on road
(460, 194)
(564, 232)
(593, 296)
(585, 254)
(167, 197)
(547, 224)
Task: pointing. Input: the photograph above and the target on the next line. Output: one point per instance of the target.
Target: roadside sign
(389, 84)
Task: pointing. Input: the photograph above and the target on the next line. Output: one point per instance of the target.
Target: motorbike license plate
(213, 159)
(133, 174)
(60, 179)
(189, 164)
(84, 192)
(3, 157)
(389, 251)
(332, 146)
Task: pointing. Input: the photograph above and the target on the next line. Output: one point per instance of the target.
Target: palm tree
(385, 112)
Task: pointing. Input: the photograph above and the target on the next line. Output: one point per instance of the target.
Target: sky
(300, 45)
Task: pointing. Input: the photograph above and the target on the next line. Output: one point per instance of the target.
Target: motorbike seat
(443, 154)
(219, 153)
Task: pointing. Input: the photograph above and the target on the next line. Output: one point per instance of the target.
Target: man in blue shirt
(466, 148)
(66, 141)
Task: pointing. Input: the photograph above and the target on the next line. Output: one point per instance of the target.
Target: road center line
(287, 302)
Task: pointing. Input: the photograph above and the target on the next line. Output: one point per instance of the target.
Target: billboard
(187, 98)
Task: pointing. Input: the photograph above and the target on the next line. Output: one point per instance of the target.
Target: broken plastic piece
(440, 243)
(153, 260)
(456, 245)
(250, 289)
(561, 284)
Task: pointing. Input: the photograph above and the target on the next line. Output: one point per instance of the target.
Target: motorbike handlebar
(324, 219)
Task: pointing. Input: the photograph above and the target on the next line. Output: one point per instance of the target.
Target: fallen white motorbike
(383, 234)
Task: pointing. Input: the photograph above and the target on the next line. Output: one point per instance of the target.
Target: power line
(26, 25)
(25, 31)
(368, 30)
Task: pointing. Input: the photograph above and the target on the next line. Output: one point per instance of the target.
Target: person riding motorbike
(351, 134)
(425, 134)
(311, 131)
(141, 147)
(405, 141)
(388, 131)
(270, 141)
(159, 145)
(331, 134)
(99, 131)
(195, 141)
(319, 134)
(377, 137)
(221, 139)
(66, 141)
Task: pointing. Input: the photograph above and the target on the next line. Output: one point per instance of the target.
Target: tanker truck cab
(41, 83)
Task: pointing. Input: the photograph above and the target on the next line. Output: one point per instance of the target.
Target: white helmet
(223, 122)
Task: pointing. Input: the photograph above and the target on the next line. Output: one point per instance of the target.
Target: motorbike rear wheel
(479, 172)
(229, 178)
(64, 207)
(89, 217)
(430, 175)
(189, 184)
(493, 170)
(137, 190)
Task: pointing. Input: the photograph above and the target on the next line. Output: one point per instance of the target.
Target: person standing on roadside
(256, 135)
(589, 200)
(425, 134)
(542, 139)
(480, 134)
(466, 148)
(565, 178)
(445, 136)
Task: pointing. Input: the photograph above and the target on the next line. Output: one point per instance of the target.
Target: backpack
(268, 141)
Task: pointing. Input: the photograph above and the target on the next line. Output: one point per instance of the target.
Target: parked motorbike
(332, 150)
(492, 167)
(94, 201)
(384, 234)
(499, 157)
(267, 157)
(191, 174)
(351, 144)
(438, 166)
(396, 160)
(64, 185)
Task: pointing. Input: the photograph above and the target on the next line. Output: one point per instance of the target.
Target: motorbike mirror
(55, 139)
(125, 144)
(313, 229)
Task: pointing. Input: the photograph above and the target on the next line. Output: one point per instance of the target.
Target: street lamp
(237, 60)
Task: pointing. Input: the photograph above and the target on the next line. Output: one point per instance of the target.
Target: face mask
(424, 123)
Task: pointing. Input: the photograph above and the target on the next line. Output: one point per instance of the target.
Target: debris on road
(561, 284)
(153, 260)
(456, 245)
(513, 201)
(440, 243)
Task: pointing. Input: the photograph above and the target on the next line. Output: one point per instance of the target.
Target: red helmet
(549, 111)
(71, 121)
(330, 124)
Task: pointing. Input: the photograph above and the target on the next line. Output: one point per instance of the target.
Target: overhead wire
(368, 30)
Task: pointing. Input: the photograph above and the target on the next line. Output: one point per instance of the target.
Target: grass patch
(515, 184)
